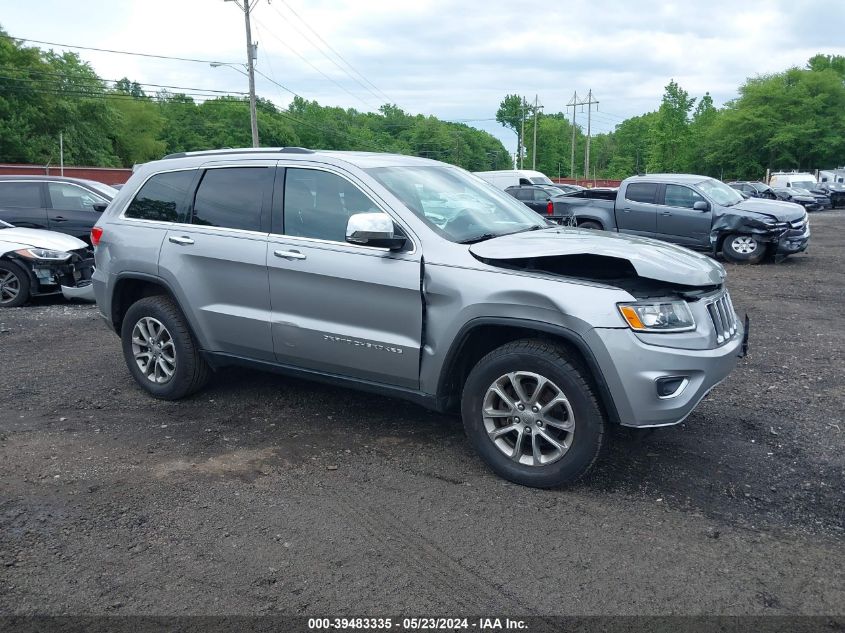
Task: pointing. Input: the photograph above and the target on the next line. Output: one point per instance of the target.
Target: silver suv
(416, 279)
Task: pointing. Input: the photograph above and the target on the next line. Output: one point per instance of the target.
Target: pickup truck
(700, 213)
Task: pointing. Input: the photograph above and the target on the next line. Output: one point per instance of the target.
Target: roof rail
(244, 150)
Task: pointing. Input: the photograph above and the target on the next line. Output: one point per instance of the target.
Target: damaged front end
(53, 272)
(783, 233)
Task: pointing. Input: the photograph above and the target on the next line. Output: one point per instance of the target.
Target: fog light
(670, 386)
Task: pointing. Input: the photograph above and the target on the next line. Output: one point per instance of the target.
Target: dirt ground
(268, 495)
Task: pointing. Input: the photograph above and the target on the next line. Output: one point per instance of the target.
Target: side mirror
(99, 207)
(373, 229)
(701, 205)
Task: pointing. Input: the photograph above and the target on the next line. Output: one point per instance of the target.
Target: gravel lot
(269, 495)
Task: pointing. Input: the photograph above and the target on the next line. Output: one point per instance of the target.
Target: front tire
(532, 415)
(15, 286)
(160, 351)
(743, 249)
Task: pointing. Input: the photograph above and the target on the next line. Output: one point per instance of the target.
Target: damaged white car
(35, 263)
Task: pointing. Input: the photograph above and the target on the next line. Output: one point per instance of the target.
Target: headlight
(669, 316)
(44, 254)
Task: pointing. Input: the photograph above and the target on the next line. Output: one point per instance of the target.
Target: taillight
(550, 208)
(96, 234)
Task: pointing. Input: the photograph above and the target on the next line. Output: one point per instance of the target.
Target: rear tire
(743, 249)
(551, 442)
(160, 350)
(589, 224)
(15, 286)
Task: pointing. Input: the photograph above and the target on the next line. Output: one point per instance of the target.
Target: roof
(673, 178)
(41, 177)
(359, 159)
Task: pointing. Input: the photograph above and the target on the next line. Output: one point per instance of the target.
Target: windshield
(719, 192)
(555, 191)
(540, 180)
(456, 204)
(103, 189)
(803, 184)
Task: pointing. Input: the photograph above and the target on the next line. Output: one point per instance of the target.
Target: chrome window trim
(371, 196)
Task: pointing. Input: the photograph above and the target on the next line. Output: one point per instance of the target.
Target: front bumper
(72, 278)
(82, 291)
(631, 369)
(793, 241)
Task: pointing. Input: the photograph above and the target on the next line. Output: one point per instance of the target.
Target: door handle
(667, 213)
(289, 254)
(181, 240)
(626, 209)
(59, 218)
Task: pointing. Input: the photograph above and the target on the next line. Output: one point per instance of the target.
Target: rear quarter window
(163, 198)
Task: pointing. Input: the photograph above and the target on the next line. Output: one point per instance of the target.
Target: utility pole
(522, 134)
(534, 146)
(589, 103)
(61, 154)
(251, 56)
(573, 103)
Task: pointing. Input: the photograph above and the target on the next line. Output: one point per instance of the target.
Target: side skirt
(217, 360)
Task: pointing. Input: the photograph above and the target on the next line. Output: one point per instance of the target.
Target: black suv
(541, 198)
(53, 203)
(754, 189)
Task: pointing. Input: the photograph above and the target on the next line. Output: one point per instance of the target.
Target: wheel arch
(482, 335)
(130, 287)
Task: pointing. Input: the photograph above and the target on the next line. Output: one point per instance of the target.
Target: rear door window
(233, 197)
(540, 195)
(163, 198)
(641, 192)
(20, 194)
(524, 194)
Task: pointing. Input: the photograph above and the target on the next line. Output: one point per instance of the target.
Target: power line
(62, 76)
(329, 46)
(323, 53)
(83, 94)
(109, 50)
(305, 59)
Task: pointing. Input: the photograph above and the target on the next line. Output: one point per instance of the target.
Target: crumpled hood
(16, 238)
(650, 258)
(778, 209)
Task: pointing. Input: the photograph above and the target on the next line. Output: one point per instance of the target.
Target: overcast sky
(455, 60)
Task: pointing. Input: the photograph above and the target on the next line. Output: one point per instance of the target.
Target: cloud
(454, 60)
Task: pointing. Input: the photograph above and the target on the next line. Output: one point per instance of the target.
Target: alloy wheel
(528, 418)
(154, 350)
(10, 286)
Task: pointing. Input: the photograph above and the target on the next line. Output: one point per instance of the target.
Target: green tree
(821, 62)
(669, 139)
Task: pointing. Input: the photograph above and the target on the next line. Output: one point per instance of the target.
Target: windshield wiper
(478, 238)
(490, 236)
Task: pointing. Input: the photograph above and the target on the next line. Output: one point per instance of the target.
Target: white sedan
(34, 263)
